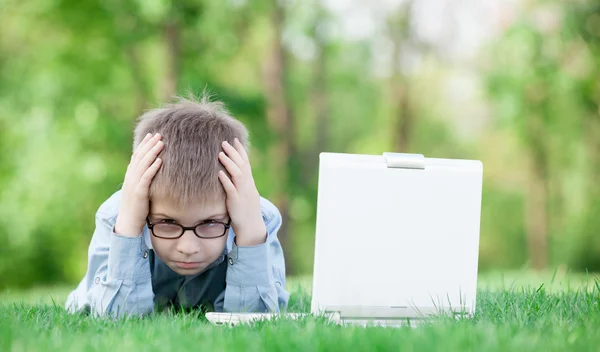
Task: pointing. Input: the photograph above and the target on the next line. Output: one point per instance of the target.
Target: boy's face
(188, 254)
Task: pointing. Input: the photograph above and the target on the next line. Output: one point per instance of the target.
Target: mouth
(188, 265)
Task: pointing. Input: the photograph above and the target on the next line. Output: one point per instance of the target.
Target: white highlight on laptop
(397, 238)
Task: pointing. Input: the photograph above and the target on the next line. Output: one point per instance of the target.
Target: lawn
(516, 312)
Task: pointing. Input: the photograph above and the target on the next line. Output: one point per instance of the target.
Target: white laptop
(397, 239)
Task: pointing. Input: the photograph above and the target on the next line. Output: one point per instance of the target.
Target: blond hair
(192, 131)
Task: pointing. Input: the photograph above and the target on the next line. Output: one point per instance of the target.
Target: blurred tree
(319, 91)
(582, 29)
(535, 81)
(404, 44)
(71, 88)
(526, 82)
(280, 117)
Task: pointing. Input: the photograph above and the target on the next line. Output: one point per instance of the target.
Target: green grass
(523, 312)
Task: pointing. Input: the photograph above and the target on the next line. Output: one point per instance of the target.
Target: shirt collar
(147, 240)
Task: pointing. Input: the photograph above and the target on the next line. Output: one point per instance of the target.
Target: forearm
(254, 284)
(128, 276)
(118, 280)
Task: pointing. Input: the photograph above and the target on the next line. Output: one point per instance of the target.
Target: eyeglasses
(171, 230)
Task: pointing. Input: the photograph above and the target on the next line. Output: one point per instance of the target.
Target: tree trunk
(171, 37)
(536, 210)
(279, 117)
(127, 42)
(320, 96)
(319, 101)
(536, 215)
(402, 118)
(594, 150)
(140, 84)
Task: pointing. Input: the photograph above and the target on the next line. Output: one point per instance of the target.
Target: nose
(188, 243)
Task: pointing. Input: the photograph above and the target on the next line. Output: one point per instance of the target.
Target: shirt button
(230, 261)
(97, 280)
(278, 283)
(145, 254)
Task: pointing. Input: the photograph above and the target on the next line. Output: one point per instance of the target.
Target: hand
(135, 202)
(243, 200)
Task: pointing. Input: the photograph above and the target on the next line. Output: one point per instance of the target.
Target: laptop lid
(397, 235)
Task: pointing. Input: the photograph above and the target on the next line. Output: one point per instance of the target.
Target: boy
(188, 228)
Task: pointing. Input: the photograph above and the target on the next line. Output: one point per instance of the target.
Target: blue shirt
(124, 276)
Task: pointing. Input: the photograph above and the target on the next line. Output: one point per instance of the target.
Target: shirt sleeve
(118, 280)
(255, 280)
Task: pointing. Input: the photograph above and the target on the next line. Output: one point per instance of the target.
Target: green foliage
(74, 76)
(542, 80)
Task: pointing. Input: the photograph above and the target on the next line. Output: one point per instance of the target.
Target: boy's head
(192, 132)
(186, 190)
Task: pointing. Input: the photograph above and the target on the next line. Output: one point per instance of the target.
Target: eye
(167, 229)
(208, 221)
(211, 229)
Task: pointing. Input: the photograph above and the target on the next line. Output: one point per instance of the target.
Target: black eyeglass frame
(227, 226)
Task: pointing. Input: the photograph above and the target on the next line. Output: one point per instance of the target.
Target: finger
(141, 145)
(231, 167)
(147, 177)
(233, 154)
(146, 138)
(135, 153)
(148, 159)
(140, 154)
(227, 184)
(143, 148)
(240, 148)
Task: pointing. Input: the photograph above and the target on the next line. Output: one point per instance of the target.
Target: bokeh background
(514, 83)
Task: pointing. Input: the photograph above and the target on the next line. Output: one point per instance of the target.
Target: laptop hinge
(404, 161)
